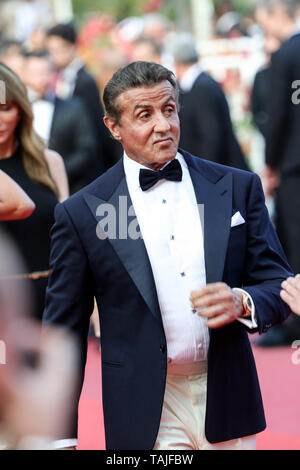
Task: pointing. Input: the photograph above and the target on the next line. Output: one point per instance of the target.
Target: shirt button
(164, 201)
(182, 274)
(200, 346)
(172, 237)
(169, 360)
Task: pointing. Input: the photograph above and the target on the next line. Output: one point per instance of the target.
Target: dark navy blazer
(133, 345)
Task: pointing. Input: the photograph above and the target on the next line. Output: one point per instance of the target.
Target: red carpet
(280, 384)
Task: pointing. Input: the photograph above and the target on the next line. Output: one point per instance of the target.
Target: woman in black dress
(39, 172)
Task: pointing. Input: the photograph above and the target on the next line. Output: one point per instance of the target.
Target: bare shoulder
(53, 158)
(58, 172)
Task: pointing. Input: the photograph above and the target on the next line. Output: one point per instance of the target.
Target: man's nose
(162, 124)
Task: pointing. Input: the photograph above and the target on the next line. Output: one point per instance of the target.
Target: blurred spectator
(11, 55)
(41, 174)
(18, 18)
(72, 79)
(229, 23)
(35, 402)
(147, 49)
(279, 18)
(112, 61)
(57, 122)
(206, 128)
(36, 41)
(14, 202)
(159, 28)
(260, 90)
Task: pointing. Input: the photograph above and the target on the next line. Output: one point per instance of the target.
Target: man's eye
(170, 109)
(144, 115)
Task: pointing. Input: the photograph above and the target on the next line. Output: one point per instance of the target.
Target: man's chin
(168, 154)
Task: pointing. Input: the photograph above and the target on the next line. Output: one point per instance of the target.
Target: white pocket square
(237, 219)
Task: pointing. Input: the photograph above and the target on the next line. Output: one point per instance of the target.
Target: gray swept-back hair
(135, 75)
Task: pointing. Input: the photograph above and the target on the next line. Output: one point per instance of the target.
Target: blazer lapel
(131, 252)
(215, 197)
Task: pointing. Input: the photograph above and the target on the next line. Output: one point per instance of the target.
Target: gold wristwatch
(247, 305)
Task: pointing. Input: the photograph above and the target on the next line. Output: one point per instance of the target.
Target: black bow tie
(171, 172)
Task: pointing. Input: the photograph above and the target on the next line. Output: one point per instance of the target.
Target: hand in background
(290, 293)
(270, 180)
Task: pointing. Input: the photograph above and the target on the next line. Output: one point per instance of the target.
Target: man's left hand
(218, 303)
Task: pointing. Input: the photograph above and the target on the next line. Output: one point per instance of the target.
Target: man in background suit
(177, 290)
(260, 90)
(63, 124)
(72, 79)
(206, 127)
(280, 18)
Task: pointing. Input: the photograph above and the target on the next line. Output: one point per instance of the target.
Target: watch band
(247, 305)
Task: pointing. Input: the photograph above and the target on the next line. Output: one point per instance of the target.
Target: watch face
(247, 306)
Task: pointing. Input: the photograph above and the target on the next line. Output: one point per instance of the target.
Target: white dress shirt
(171, 229)
(170, 225)
(43, 112)
(189, 77)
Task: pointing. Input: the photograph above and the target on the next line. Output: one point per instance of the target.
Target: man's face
(271, 22)
(144, 51)
(38, 74)
(149, 129)
(61, 52)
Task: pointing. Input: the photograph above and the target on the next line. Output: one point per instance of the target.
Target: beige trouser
(183, 414)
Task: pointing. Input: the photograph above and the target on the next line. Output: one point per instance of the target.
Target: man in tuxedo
(73, 80)
(206, 127)
(63, 124)
(183, 261)
(280, 18)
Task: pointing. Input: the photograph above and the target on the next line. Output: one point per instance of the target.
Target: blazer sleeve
(266, 265)
(69, 295)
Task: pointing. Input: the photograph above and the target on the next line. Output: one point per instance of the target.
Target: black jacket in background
(283, 133)
(108, 150)
(259, 100)
(206, 128)
(71, 136)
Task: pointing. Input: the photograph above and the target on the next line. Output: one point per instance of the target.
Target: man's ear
(113, 127)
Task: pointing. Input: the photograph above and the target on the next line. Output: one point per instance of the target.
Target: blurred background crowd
(236, 62)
